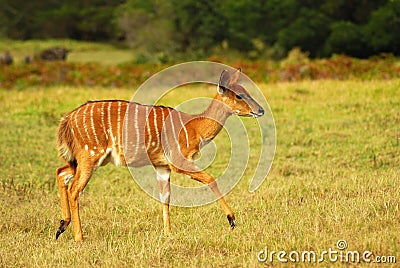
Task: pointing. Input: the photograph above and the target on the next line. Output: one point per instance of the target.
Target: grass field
(79, 51)
(335, 176)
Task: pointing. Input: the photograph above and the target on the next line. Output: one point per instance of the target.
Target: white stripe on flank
(84, 122)
(173, 130)
(109, 119)
(148, 128)
(166, 149)
(119, 124)
(184, 129)
(102, 118)
(156, 129)
(76, 123)
(136, 130)
(92, 124)
(125, 137)
(115, 157)
(104, 156)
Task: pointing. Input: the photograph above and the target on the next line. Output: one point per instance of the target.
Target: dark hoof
(61, 229)
(232, 221)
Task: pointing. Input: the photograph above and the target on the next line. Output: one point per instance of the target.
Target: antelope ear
(235, 76)
(224, 81)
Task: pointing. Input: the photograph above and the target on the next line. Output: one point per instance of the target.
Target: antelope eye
(239, 96)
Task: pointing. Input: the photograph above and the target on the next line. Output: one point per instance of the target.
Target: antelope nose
(260, 111)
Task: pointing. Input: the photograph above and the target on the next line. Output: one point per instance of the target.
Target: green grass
(81, 51)
(335, 176)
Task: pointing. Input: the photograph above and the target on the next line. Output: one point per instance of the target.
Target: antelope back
(99, 130)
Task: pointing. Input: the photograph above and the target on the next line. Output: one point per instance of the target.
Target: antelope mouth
(251, 114)
(255, 115)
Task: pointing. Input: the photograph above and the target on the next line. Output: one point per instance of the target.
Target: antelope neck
(214, 117)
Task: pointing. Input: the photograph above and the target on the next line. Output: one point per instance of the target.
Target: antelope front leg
(163, 181)
(228, 211)
(206, 178)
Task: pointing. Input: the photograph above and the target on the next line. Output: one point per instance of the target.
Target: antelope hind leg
(64, 175)
(82, 177)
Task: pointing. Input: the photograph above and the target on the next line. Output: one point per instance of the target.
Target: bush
(382, 28)
(308, 31)
(147, 25)
(346, 38)
(295, 57)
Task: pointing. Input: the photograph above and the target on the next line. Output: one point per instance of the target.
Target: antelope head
(236, 97)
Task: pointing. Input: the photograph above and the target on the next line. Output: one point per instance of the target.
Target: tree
(382, 28)
(322, 27)
(308, 32)
(354, 11)
(346, 37)
(148, 25)
(242, 22)
(88, 19)
(201, 24)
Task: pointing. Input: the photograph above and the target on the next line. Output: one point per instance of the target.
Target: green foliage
(308, 31)
(356, 11)
(147, 25)
(381, 27)
(321, 28)
(86, 20)
(200, 24)
(347, 38)
(240, 29)
(295, 57)
(358, 28)
(93, 64)
(362, 40)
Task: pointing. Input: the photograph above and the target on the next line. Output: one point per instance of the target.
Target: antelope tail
(65, 142)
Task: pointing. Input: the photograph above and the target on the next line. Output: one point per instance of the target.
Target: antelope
(6, 58)
(92, 135)
(53, 54)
